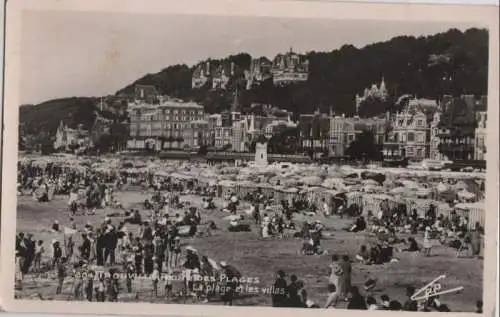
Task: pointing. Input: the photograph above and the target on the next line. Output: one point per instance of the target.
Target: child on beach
(155, 278)
(427, 241)
(168, 283)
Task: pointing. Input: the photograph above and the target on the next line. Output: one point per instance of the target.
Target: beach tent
(461, 185)
(474, 211)
(423, 192)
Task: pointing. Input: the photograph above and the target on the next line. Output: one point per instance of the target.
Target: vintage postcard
(221, 157)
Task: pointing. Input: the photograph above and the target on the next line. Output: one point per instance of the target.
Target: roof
(167, 104)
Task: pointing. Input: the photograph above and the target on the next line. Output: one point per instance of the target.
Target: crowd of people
(152, 245)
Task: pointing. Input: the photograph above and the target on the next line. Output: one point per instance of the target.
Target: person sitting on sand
(359, 225)
(238, 225)
(363, 256)
(372, 303)
(307, 246)
(386, 300)
(55, 226)
(386, 252)
(356, 300)
(134, 217)
(375, 255)
(410, 304)
(411, 245)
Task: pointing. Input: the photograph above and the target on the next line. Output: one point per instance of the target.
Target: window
(411, 137)
(420, 122)
(419, 152)
(351, 137)
(409, 151)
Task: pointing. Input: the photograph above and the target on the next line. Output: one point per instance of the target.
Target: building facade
(343, 131)
(434, 153)
(260, 70)
(408, 136)
(289, 68)
(222, 76)
(201, 75)
(480, 136)
(456, 128)
(161, 126)
(223, 137)
(196, 134)
(67, 138)
(314, 132)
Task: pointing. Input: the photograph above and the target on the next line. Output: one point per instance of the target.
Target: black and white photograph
(255, 161)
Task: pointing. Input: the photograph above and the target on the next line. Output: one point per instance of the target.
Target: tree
(364, 148)
(285, 142)
(372, 106)
(105, 143)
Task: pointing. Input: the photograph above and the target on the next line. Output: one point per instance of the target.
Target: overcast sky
(95, 54)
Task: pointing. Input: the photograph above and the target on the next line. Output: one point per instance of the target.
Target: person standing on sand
(61, 274)
(39, 251)
(333, 281)
(345, 278)
(56, 254)
(475, 240)
(427, 241)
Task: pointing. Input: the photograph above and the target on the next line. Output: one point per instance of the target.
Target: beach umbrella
(333, 183)
(370, 182)
(423, 192)
(466, 195)
(311, 181)
(410, 184)
(371, 189)
(442, 187)
(399, 191)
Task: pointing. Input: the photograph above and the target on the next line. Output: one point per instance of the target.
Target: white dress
(427, 241)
